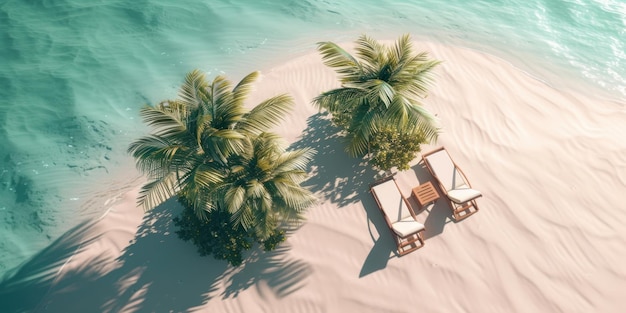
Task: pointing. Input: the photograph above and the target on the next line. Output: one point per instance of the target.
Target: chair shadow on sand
(157, 272)
(344, 180)
(439, 214)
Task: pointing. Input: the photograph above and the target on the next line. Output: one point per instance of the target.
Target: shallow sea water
(75, 72)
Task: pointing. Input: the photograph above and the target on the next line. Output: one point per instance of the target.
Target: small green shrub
(216, 235)
(274, 240)
(391, 147)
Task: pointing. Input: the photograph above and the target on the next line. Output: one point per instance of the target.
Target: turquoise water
(73, 74)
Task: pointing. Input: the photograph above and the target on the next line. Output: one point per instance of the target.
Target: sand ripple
(549, 237)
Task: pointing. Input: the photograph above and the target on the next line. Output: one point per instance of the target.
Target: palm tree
(261, 189)
(197, 134)
(382, 86)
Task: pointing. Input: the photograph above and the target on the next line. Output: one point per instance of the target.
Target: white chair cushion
(391, 201)
(407, 226)
(441, 163)
(463, 194)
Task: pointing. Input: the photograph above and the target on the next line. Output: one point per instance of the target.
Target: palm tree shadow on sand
(334, 174)
(343, 180)
(271, 270)
(155, 273)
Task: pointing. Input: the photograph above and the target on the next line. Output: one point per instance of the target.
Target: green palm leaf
(371, 53)
(219, 100)
(222, 143)
(190, 92)
(344, 63)
(165, 122)
(234, 198)
(293, 197)
(266, 115)
(157, 191)
(338, 100)
(294, 160)
(212, 152)
(243, 88)
(152, 154)
(364, 124)
(387, 90)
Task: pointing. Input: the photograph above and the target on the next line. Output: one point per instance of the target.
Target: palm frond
(153, 155)
(294, 176)
(371, 53)
(177, 108)
(165, 123)
(195, 81)
(245, 218)
(413, 118)
(339, 59)
(401, 52)
(422, 78)
(293, 196)
(218, 93)
(268, 145)
(157, 191)
(364, 124)
(425, 122)
(376, 90)
(266, 115)
(398, 113)
(243, 88)
(265, 224)
(357, 145)
(198, 186)
(206, 176)
(340, 99)
(255, 189)
(219, 144)
(228, 115)
(203, 127)
(234, 198)
(294, 160)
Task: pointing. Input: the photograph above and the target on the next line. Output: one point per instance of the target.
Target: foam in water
(74, 74)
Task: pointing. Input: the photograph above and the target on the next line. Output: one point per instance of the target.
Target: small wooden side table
(425, 194)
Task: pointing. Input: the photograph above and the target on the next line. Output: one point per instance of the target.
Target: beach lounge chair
(452, 182)
(400, 218)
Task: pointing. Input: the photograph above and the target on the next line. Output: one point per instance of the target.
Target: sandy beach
(549, 236)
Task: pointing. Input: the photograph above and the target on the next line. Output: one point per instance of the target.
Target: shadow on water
(155, 273)
(344, 180)
(22, 288)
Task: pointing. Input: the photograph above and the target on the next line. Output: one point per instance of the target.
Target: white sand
(549, 236)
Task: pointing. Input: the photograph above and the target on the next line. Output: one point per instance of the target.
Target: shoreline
(574, 84)
(497, 119)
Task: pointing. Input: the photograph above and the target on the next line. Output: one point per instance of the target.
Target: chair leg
(409, 244)
(460, 211)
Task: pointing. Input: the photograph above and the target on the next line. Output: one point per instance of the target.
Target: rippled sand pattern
(549, 235)
(74, 73)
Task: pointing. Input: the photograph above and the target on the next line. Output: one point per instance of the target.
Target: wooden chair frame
(462, 210)
(410, 242)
